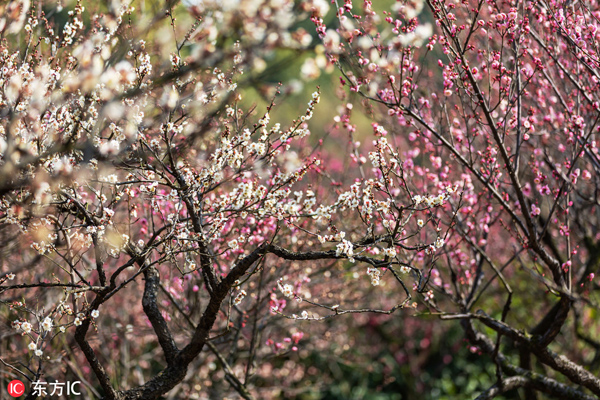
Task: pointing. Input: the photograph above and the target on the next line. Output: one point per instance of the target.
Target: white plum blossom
(26, 327)
(390, 252)
(439, 243)
(345, 248)
(375, 275)
(240, 296)
(47, 324)
(288, 290)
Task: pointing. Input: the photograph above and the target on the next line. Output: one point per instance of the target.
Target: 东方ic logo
(16, 388)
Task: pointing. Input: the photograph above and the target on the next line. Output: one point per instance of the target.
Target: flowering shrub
(138, 168)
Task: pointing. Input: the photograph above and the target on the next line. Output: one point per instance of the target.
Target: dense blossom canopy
(168, 228)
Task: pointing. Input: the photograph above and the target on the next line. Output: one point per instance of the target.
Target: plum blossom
(47, 324)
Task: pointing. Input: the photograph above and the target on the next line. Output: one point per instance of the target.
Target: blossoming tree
(159, 226)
